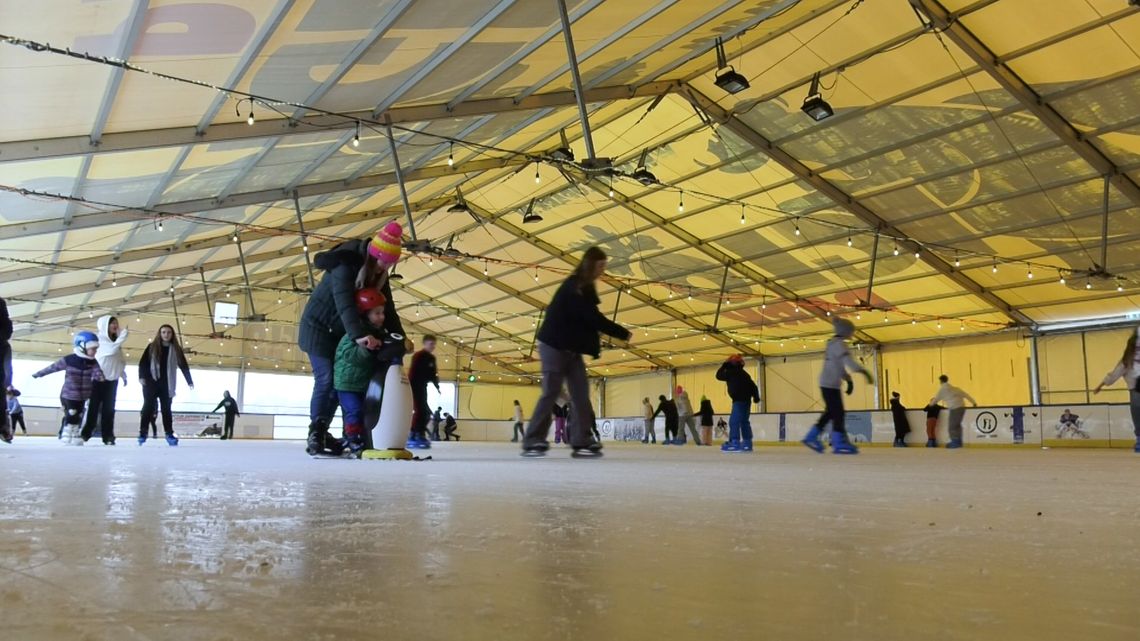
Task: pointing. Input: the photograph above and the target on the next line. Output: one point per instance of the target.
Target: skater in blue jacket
(743, 392)
(836, 363)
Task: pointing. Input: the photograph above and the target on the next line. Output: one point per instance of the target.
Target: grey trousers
(955, 423)
(558, 367)
(689, 421)
(650, 431)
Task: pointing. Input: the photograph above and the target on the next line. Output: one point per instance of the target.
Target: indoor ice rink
(693, 240)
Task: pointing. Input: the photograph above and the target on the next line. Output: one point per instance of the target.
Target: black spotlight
(642, 174)
(530, 216)
(814, 105)
(460, 205)
(727, 78)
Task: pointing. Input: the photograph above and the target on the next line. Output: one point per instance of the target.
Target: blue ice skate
(142, 440)
(931, 443)
(732, 447)
(840, 444)
(745, 446)
(172, 440)
(812, 440)
(954, 444)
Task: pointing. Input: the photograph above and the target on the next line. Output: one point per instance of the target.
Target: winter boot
(954, 444)
(840, 444)
(318, 437)
(354, 437)
(812, 439)
(900, 443)
(172, 440)
(931, 443)
(731, 446)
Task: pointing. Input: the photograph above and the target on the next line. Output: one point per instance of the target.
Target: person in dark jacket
(231, 409)
(932, 412)
(331, 313)
(743, 392)
(5, 368)
(158, 372)
(570, 329)
(449, 427)
(707, 417)
(668, 408)
(561, 413)
(898, 413)
(422, 371)
(436, 421)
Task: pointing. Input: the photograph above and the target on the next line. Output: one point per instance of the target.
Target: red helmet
(369, 299)
(736, 359)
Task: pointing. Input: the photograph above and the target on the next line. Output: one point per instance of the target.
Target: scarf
(171, 366)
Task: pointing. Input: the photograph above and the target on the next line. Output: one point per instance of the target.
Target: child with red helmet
(355, 364)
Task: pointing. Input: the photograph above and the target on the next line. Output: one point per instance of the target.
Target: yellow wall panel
(701, 381)
(624, 394)
(994, 370)
(1103, 350)
(495, 402)
(792, 385)
(1061, 368)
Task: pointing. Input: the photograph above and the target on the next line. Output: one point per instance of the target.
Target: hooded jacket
(684, 407)
(355, 366)
(741, 387)
(80, 375)
(331, 311)
(110, 352)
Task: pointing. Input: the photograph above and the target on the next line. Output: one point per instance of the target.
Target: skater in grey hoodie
(686, 416)
(101, 407)
(837, 361)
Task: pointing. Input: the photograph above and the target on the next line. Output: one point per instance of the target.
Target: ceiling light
(814, 105)
(460, 206)
(642, 174)
(451, 155)
(728, 78)
(530, 216)
(356, 136)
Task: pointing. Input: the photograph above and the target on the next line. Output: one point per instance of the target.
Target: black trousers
(18, 419)
(72, 414)
(228, 430)
(101, 411)
(421, 411)
(832, 410)
(155, 397)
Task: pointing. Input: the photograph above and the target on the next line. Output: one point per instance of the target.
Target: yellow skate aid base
(387, 455)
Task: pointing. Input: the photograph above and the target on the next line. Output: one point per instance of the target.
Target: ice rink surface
(249, 541)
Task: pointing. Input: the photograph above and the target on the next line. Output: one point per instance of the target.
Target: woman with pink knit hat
(331, 313)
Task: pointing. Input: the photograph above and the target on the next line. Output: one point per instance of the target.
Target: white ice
(252, 541)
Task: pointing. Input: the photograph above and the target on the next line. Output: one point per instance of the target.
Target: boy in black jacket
(743, 392)
(668, 407)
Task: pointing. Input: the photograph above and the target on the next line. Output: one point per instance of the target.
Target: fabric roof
(975, 131)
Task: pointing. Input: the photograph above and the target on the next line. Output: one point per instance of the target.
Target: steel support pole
(578, 95)
(874, 263)
(209, 308)
(245, 275)
(720, 301)
(400, 178)
(1104, 226)
(304, 239)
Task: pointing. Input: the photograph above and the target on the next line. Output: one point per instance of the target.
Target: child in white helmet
(81, 372)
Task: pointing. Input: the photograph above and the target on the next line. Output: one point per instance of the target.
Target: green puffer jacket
(354, 365)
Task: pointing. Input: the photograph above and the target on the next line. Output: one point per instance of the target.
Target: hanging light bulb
(1061, 276)
(994, 270)
(939, 324)
(536, 274)
(690, 293)
(159, 224)
(235, 236)
(896, 249)
(484, 268)
(858, 315)
(537, 177)
(114, 281)
(90, 314)
(797, 229)
(356, 136)
(1119, 286)
(249, 120)
(1088, 283)
(916, 253)
(681, 203)
(849, 242)
(611, 186)
(278, 300)
(1029, 272)
(741, 213)
(962, 326)
(913, 321)
(957, 261)
(451, 154)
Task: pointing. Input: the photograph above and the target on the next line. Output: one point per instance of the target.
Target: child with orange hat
(743, 392)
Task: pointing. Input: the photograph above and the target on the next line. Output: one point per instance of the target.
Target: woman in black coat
(331, 313)
(902, 426)
(569, 330)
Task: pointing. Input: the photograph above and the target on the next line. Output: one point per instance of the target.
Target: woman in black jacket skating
(569, 330)
(902, 426)
(158, 372)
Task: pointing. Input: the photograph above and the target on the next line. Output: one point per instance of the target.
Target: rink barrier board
(45, 421)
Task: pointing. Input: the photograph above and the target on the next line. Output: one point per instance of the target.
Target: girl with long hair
(569, 330)
(1128, 368)
(158, 372)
